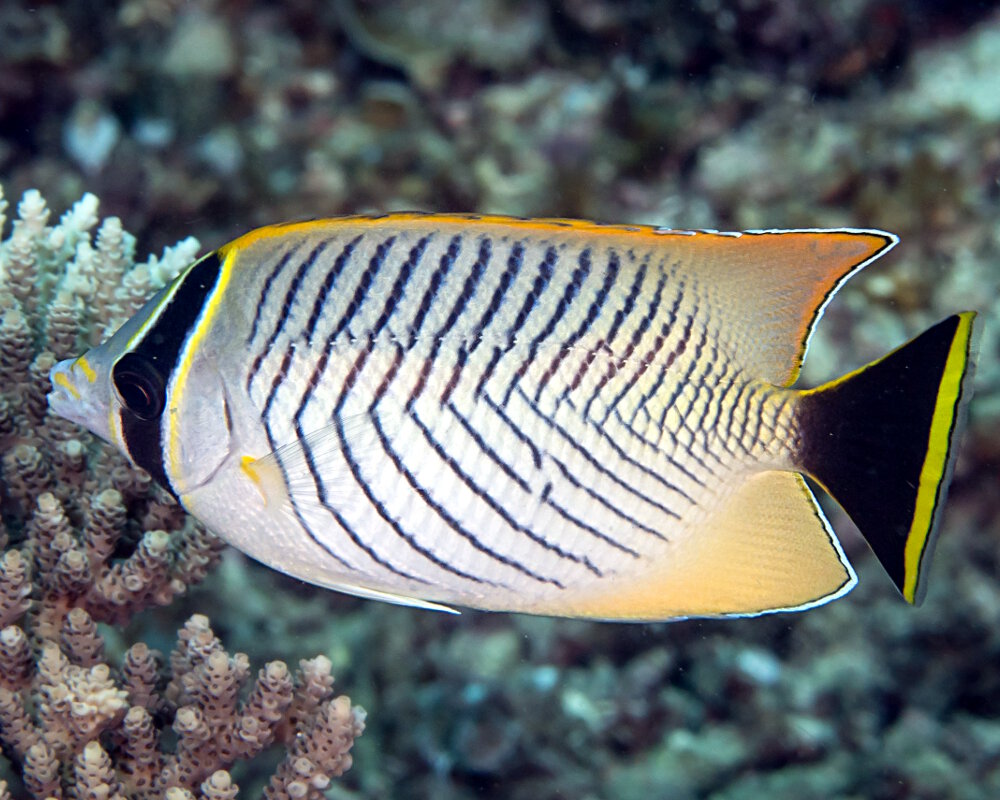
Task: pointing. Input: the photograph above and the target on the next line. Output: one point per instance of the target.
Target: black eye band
(140, 377)
(140, 386)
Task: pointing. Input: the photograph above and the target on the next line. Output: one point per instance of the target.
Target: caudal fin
(882, 440)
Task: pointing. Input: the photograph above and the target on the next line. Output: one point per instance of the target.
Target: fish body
(531, 415)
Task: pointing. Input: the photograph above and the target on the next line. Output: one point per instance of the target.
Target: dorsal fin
(770, 288)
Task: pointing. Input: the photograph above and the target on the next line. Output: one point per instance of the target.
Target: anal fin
(768, 548)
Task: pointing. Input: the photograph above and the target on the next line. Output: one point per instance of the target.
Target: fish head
(198, 428)
(96, 388)
(81, 392)
(142, 391)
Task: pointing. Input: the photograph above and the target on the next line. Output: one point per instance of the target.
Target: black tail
(881, 441)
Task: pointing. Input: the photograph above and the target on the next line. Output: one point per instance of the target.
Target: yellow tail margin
(936, 471)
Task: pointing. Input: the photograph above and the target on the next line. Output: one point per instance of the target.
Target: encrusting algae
(88, 539)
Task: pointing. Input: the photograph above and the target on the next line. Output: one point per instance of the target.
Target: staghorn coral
(88, 539)
(80, 732)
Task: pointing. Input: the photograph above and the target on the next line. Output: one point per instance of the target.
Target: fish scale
(544, 416)
(520, 326)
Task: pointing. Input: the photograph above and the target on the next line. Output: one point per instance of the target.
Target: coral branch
(89, 539)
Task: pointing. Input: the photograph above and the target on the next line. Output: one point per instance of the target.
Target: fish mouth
(70, 397)
(65, 394)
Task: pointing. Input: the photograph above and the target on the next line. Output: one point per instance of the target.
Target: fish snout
(74, 396)
(65, 391)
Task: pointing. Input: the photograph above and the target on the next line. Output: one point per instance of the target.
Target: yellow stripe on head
(86, 369)
(62, 379)
(115, 428)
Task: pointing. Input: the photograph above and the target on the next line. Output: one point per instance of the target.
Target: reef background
(210, 118)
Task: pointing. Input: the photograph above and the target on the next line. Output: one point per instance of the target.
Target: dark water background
(209, 118)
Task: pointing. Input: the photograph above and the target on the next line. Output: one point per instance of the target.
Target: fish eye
(139, 385)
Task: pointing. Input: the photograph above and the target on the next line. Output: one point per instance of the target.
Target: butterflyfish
(542, 416)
